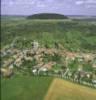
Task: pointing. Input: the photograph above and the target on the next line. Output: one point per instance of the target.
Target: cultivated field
(63, 90)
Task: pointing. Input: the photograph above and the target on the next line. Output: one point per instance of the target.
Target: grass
(24, 88)
(63, 90)
(43, 88)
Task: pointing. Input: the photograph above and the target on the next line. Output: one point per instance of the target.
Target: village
(78, 67)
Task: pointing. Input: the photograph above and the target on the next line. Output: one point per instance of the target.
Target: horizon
(65, 7)
(47, 13)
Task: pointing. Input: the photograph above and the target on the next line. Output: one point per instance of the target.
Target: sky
(66, 7)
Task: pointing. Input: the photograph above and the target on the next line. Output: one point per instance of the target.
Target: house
(28, 58)
(18, 62)
(11, 66)
(80, 58)
(3, 54)
(6, 72)
(49, 65)
(80, 67)
(70, 55)
(88, 57)
(42, 70)
(34, 71)
(94, 81)
(94, 65)
(35, 45)
(8, 62)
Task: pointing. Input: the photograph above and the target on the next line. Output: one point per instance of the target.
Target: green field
(24, 88)
(43, 88)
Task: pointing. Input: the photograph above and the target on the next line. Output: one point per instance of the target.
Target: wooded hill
(47, 16)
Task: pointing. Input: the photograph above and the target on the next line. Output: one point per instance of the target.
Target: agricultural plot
(63, 90)
(24, 88)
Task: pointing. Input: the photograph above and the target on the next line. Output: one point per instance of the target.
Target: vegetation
(61, 36)
(47, 16)
(24, 88)
(55, 58)
(63, 90)
(73, 35)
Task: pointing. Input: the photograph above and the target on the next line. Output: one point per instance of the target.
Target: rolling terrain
(76, 37)
(73, 35)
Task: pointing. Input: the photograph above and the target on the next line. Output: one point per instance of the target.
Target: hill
(47, 16)
(63, 90)
(73, 35)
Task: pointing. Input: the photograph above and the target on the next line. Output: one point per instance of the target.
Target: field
(43, 88)
(63, 90)
(25, 88)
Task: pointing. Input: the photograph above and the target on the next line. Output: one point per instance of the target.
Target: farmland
(63, 90)
(24, 88)
(43, 88)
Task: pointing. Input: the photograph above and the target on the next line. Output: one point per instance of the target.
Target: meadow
(25, 87)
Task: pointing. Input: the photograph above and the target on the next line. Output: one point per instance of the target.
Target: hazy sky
(67, 7)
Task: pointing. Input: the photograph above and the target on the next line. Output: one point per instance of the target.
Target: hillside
(34, 52)
(47, 16)
(73, 35)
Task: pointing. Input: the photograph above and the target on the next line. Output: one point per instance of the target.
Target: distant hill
(47, 16)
